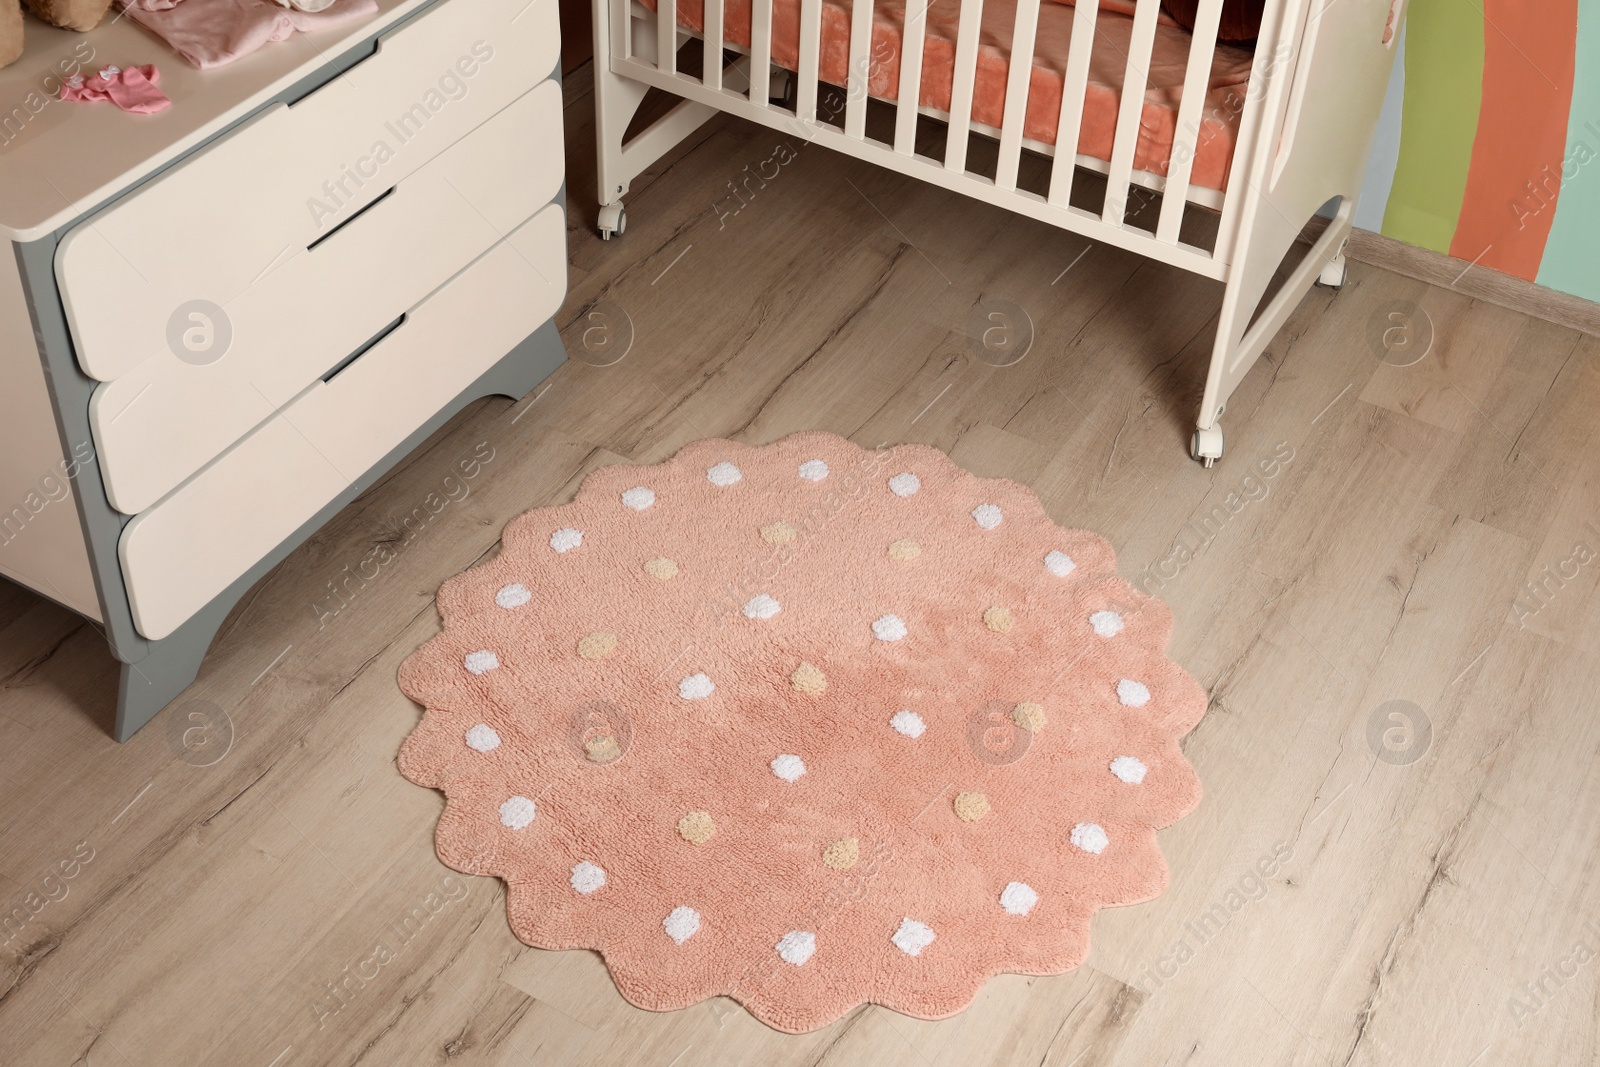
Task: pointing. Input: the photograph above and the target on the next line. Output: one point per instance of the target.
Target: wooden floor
(216, 890)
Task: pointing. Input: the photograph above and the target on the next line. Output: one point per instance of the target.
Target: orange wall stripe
(1515, 176)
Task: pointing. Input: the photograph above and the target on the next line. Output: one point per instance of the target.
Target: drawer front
(167, 417)
(183, 552)
(241, 209)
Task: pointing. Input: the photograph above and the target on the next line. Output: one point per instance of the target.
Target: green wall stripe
(1439, 120)
(1570, 262)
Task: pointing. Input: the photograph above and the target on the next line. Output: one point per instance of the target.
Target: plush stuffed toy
(80, 15)
(10, 30)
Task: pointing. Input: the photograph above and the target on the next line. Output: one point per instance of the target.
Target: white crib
(1303, 133)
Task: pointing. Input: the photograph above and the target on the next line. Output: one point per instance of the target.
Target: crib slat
(667, 36)
(1075, 80)
(810, 43)
(1186, 133)
(760, 50)
(855, 112)
(905, 112)
(1134, 80)
(712, 66)
(966, 73)
(1017, 83)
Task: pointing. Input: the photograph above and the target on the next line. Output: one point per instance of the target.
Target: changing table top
(60, 159)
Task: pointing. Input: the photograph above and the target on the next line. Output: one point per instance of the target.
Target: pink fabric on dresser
(133, 89)
(211, 33)
(1230, 71)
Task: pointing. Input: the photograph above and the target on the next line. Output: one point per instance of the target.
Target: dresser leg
(525, 366)
(170, 664)
(153, 683)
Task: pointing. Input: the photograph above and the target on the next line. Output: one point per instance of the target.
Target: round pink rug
(805, 725)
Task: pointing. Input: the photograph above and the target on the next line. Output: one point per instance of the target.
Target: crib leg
(1239, 341)
(616, 100)
(1205, 445)
(1332, 274)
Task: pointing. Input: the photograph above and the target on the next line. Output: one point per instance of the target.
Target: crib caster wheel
(613, 221)
(1332, 274)
(1206, 446)
(778, 86)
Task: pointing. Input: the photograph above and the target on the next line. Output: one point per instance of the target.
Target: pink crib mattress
(1230, 71)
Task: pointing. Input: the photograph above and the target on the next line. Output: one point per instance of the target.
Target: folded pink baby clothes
(210, 33)
(133, 89)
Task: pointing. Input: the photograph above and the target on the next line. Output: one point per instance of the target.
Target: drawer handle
(377, 339)
(380, 198)
(315, 83)
(344, 64)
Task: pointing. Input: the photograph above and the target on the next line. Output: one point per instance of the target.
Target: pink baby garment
(133, 89)
(210, 33)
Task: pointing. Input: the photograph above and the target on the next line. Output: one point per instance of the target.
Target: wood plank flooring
(1388, 587)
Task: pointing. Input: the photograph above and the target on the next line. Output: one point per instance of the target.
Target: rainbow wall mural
(1489, 148)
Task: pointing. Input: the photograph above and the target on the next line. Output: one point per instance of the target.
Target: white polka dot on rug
(566, 539)
(483, 738)
(517, 812)
(889, 628)
(908, 724)
(695, 687)
(913, 936)
(481, 662)
(724, 474)
(1133, 694)
(682, 923)
(905, 484)
(789, 767)
(1106, 623)
(639, 497)
(797, 946)
(1130, 769)
(513, 596)
(813, 470)
(1059, 563)
(1018, 898)
(987, 516)
(1091, 837)
(761, 606)
(588, 877)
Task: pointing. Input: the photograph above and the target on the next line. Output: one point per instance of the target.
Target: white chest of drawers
(220, 324)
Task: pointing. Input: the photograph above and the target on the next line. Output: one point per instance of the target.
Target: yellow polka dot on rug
(874, 729)
(842, 854)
